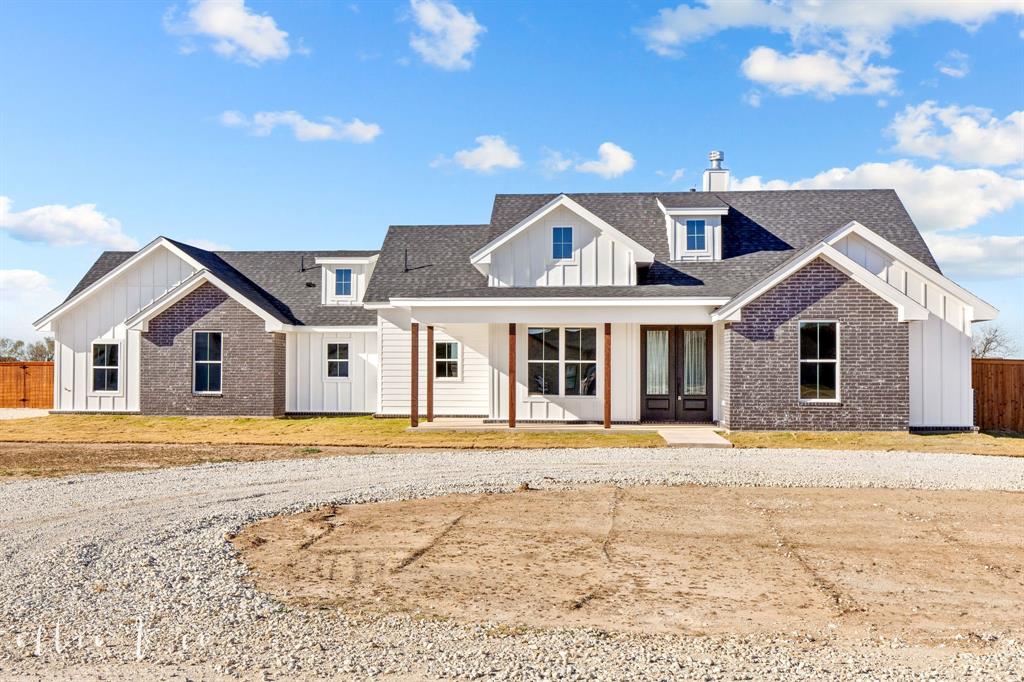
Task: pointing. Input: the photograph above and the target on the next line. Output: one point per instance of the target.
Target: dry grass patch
(1010, 445)
(363, 432)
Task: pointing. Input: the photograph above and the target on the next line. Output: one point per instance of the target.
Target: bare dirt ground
(926, 567)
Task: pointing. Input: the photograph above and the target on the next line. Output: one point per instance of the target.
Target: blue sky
(265, 125)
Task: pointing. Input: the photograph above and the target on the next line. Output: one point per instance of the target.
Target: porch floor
(675, 435)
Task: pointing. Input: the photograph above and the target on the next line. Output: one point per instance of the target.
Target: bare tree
(992, 341)
(40, 351)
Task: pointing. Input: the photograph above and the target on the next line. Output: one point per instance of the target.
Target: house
(811, 309)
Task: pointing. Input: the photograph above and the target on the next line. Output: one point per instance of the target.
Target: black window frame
(818, 362)
(447, 361)
(208, 362)
(106, 369)
(344, 363)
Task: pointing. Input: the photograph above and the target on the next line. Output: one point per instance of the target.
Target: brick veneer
(253, 373)
(761, 357)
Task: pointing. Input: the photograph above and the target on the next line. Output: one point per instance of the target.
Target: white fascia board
(907, 308)
(43, 323)
(982, 309)
(640, 253)
(140, 320)
(556, 302)
(717, 210)
(327, 329)
(345, 260)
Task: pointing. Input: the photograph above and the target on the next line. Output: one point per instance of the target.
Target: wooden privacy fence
(998, 394)
(26, 384)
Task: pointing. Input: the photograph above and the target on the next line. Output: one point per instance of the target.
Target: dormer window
(343, 283)
(696, 235)
(561, 243)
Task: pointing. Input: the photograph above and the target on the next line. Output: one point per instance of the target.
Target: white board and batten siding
(465, 396)
(308, 389)
(526, 260)
(940, 347)
(101, 316)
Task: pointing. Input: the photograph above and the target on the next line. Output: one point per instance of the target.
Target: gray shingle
(107, 261)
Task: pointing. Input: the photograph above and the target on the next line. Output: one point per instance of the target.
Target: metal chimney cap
(716, 157)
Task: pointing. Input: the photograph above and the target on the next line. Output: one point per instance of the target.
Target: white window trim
(800, 362)
(120, 368)
(194, 362)
(572, 260)
(337, 380)
(706, 251)
(329, 279)
(458, 362)
(541, 397)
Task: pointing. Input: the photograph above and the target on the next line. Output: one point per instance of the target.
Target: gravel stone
(129, 576)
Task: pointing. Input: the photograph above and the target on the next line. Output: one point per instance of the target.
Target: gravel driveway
(129, 575)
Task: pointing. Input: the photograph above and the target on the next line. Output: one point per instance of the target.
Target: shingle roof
(273, 280)
(423, 260)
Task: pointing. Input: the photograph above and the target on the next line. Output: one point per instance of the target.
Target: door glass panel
(657, 362)
(695, 371)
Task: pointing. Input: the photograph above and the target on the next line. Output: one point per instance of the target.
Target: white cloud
(955, 65)
(59, 225)
(263, 123)
(237, 33)
(612, 161)
(812, 20)
(491, 152)
(820, 73)
(677, 175)
(554, 162)
(447, 38)
(752, 98)
(938, 198)
(844, 36)
(959, 134)
(25, 295)
(978, 256)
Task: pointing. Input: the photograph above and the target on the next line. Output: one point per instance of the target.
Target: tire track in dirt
(418, 554)
(839, 600)
(613, 508)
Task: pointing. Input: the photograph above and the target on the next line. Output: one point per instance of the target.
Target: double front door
(675, 370)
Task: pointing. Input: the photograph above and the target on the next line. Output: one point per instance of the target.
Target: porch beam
(511, 375)
(430, 372)
(607, 375)
(414, 380)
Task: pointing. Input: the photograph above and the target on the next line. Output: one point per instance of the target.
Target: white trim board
(43, 323)
(140, 320)
(907, 308)
(483, 255)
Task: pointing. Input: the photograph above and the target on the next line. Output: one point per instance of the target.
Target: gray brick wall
(762, 358)
(253, 372)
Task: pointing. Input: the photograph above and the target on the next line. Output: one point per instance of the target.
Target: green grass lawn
(971, 443)
(335, 431)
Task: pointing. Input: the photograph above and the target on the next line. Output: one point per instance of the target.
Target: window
(343, 282)
(542, 361)
(580, 361)
(337, 360)
(206, 362)
(819, 361)
(696, 235)
(446, 359)
(106, 368)
(561, 243)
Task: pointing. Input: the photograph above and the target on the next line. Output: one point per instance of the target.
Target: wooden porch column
(607, 375)
(430, 372)
(511, 375)
(414, 388)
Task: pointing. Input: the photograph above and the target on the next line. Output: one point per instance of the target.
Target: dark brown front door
(675, 371)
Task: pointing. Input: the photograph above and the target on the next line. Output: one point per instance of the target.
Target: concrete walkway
(21, 413)
(675, 435)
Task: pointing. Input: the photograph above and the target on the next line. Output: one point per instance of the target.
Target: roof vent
(716, 178)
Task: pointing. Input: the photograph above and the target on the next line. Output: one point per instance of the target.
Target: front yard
(1009, 445)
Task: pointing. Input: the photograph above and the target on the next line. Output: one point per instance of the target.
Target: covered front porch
(675, 435)
(594, 362)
